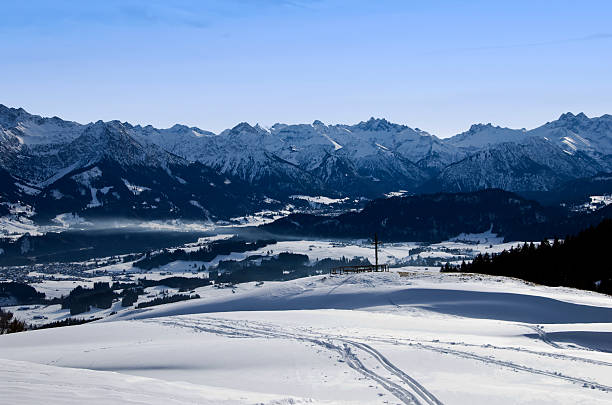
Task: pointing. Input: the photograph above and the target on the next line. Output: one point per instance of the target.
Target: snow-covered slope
(102, 169)
(571, 133)
(32, 130)
(401, 338)
(32, 383)
(480, 136)
(358, 159)
(42, 150)
(533, 164)
(578, 132)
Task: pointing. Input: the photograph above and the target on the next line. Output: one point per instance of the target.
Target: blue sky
(436, 65)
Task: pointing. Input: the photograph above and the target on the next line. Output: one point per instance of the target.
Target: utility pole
(376, 243)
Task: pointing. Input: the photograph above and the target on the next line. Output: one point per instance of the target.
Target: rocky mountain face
(99, 169)
(376, 156)
(535, 164)
(57, 164)
(366, 159)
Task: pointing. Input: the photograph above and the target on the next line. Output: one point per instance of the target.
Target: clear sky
(436, 65)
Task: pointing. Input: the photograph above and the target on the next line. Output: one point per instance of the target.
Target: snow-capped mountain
(480, 136)
(535, 164)
(195, 169)
(41, 150)
(100, 169)
(364, 159)
(571, 133)
(575, 133)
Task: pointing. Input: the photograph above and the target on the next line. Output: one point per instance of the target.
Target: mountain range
(116, 168)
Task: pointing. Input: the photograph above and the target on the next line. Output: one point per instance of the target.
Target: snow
(412, 337)
(399, 193)
(196, 204)
(14, 227)
(85, 178)
(59, 174)
(261, 217)
(136, 190)
(337, 146)
(61, 385)
(69, 219)
(56, 194)
(479, 136)
(479, 238)
(27, 189)
(94, 198)
(35, 131)
(18, 222)
(254, 153)
(596, 202)
(319, 199)
(382, 147)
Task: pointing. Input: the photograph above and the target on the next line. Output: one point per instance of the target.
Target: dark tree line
(82, 299)
(10, 324)
(102, 295)
(204, 254)
(167, 300)
(65, 322)
(582, 261)
(23, 293)
(285, 266)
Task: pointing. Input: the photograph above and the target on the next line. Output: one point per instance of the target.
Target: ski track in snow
(354, 354)
(559, 356)
(358, 355)
(506, 364)
(543, 336)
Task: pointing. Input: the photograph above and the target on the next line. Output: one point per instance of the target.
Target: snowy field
(464, 246)
(406, 337)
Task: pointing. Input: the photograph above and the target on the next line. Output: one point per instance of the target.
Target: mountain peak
(480, 127)
(568, 116)
(179, 127)
(377, 124)
(244, 127)
(9, 114)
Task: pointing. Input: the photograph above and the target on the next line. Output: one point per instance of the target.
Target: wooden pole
(376, 250)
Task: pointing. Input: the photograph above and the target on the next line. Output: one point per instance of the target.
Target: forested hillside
(581, 261)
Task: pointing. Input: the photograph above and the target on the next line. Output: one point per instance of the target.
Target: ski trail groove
(340, 285)
(420, 395)
(514, 366)
(559, 356)
(542, 335)
(414, 384)
(349, 350)
(507, 364)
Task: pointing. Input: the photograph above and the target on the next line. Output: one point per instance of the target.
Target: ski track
(340, 285)
(558, 356)
(350, 350)
(542, 335)
(515, 366)
(509, 364)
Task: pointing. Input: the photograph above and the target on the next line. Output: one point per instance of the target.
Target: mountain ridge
(369, 159)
